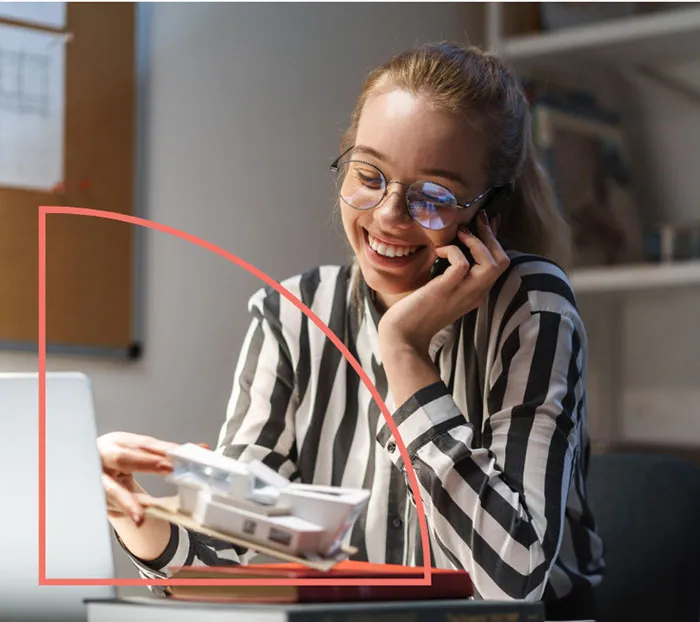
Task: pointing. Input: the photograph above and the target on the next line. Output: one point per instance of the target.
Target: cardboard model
(250, 500)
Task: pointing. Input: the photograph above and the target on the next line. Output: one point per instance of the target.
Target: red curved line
(215, 582)
(142, 222)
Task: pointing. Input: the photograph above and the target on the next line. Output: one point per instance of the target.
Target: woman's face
(407, 141)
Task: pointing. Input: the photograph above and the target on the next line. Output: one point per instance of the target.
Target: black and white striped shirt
(499, 446)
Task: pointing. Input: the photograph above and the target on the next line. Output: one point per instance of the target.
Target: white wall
(659, 396)
(243, 105)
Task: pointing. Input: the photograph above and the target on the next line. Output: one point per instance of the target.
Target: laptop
(78, 541)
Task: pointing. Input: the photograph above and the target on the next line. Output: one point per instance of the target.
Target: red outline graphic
(43, 579)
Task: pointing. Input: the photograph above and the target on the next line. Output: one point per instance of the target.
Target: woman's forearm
(146, 541)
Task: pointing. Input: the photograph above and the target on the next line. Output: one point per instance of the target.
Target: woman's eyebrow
(431, 172)
(445, 174)
(370, 151)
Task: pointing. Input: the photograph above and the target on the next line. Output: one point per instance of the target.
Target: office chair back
(647, 509)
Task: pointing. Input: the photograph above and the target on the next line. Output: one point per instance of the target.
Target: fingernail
(137, 519)
(464, 228)
(204, 445)
(484, 217)
(164, 466)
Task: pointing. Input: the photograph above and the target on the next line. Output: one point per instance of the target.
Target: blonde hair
(464, 79)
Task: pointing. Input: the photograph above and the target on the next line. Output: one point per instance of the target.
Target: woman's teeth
(388, 250)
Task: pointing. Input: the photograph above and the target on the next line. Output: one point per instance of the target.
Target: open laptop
(78, 543)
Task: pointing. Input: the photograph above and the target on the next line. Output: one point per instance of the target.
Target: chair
(647, 509)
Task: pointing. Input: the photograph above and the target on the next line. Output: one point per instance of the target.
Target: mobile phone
(494, 205)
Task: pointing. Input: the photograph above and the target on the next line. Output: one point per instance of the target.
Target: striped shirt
(499, 445)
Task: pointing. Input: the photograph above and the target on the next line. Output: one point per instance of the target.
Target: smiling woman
(482, 366)
(432, 150)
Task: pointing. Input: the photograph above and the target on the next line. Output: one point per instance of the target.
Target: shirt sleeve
(187, 548)
(497, 510)
(259, 424)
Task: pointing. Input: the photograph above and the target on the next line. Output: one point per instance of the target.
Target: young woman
(482, 367)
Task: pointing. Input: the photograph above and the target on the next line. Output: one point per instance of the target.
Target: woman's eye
(368, 179)
(438, 198)
(435, 193)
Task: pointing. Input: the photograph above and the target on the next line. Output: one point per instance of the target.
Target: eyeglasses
(363, 186)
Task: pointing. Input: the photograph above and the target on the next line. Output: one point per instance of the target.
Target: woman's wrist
(408, 368)
(149, 539)
(397, 343)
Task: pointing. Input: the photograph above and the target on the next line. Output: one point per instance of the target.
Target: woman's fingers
(459, 265)
(132, 460)
(119, 499)
(155, 446)
(488, 236)
(124, 451)
(454, 255)
(480, 252)
(490, 258)
(144, 499)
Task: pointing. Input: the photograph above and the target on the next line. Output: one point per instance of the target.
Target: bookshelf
(664, 35)
(635, 278)
(602, 58)
(651, 38)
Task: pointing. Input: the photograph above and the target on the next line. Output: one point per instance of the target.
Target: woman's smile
(390, 253)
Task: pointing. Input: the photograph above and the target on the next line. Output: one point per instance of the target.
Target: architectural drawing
(32, 105)
(24, 82)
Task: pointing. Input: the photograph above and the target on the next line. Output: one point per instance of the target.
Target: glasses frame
(336, 165)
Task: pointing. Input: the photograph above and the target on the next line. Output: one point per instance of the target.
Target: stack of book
(350, 592)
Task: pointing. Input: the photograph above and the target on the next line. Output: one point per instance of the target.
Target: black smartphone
(494, 205)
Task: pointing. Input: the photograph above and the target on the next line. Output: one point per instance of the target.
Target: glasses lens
(359, 184)
(431, 205)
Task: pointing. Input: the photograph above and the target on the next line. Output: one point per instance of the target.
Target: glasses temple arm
(334, 166)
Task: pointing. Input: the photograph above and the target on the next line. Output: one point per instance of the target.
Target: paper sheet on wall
(52, 14)
(32, 103)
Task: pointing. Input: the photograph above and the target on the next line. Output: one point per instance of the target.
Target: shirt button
(396, 522)
(391, 446)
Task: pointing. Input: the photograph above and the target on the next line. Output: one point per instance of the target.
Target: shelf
(635, 278)
(649, 38)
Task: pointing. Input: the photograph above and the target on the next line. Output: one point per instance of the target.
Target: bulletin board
(90, 283)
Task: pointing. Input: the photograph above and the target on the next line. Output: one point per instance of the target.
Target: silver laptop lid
(78, 543)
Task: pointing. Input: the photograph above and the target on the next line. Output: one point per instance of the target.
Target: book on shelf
(582, 146)
(165, 610)
(445, 583)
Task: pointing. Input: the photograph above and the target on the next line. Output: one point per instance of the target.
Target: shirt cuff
(175, 554)
(427, 414)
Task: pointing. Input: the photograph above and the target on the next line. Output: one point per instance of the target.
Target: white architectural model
(250, 500)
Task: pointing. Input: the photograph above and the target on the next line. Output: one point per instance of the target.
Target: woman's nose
(392, 212)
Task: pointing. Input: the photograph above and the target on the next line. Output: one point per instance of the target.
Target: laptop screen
(78, 541)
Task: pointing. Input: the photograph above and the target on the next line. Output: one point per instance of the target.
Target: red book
(445, 584)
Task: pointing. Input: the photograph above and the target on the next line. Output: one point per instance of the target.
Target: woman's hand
(413, 321)
(406, 329)
(122, 455)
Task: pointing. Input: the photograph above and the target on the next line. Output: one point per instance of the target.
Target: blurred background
(220, 120)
